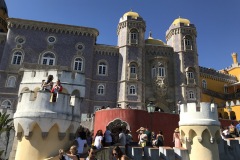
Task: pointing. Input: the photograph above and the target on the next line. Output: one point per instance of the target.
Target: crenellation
(203, 114)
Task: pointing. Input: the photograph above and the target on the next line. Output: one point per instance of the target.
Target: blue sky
(217, 21)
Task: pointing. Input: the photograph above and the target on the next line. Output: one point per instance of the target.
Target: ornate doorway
(114, 128)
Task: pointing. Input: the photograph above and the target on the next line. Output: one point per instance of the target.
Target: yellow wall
(38, 148)
(203, 150)
(235, 72)
(214, 85)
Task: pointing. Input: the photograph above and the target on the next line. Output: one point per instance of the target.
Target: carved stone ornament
(160, 86)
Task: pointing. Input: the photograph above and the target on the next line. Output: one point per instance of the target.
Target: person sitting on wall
(55, 90)
(47, 86)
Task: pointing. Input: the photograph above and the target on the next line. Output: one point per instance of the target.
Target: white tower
(43, 127)
(199, 128)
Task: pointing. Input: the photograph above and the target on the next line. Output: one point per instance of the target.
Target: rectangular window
(190, 75)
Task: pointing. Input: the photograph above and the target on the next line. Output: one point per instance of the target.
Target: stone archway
(114, 128)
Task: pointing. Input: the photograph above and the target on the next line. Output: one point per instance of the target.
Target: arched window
(17, 58)
(6, 104)
(225, 88)
(133, 69)
(78, 64)
(153, 72)
(100, 89)
(132, 90)
(191, 95)
(188, 43)
(133, 37)
(102, 68)
(48, 59)
(11, 81)
(204, 84)
(190, 75)
(161, 70)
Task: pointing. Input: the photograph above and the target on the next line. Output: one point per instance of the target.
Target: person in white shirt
(98, 139)
(108, 137)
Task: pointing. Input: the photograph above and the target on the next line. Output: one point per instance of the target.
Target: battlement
(36, 108)
(212, 73)
(71, 81)
(192, 114)
(66, 77)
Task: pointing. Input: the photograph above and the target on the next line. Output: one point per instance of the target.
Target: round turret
(199, 128)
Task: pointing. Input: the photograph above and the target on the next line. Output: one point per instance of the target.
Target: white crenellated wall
(200, 131)
(70, 80)
(43, 126)
(204, 114)
(40, 110)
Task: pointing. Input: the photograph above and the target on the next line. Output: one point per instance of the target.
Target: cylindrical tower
(43, 127)
(199, 128)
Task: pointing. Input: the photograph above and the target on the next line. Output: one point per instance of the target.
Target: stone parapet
(40, 110)
(203, 114)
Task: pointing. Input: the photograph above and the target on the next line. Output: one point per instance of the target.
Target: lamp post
(151, 108)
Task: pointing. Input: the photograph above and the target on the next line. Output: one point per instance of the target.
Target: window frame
(191, 95)
(48, 59)
(15, 58)
(190, 75)
(101, 91)
(102, 68)
(78, 63)
(4, 105)
(204, 84)
(132, 90)
(11, 82)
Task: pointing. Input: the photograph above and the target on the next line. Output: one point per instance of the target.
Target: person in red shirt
(56, 89)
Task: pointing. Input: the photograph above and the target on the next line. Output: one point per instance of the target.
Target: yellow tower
(234, 57)
(199, 128)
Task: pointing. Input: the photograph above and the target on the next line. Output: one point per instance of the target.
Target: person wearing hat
(142, 137)
(176, 138)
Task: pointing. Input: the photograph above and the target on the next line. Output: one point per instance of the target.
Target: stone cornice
(107, 50)
(51, 27)
(180, 30)
(131, 24)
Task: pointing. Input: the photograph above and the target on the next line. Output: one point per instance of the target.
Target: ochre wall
(140, 118)
(40, 148)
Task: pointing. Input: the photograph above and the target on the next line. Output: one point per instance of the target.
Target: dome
(3, 6)
(181, 20)
(134, 15)
(150, 40)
